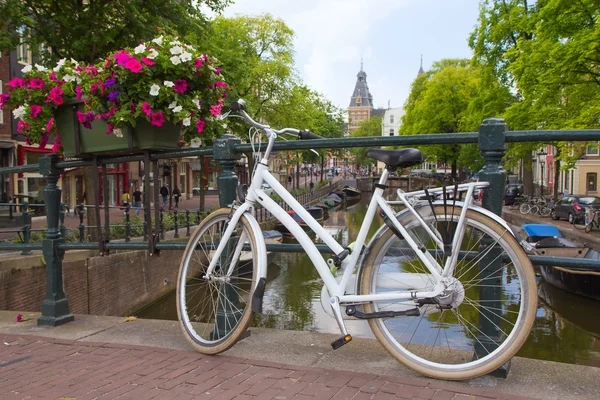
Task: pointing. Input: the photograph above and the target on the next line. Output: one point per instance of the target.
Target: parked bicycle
(535, 206)
(590, 219)
(445, 285)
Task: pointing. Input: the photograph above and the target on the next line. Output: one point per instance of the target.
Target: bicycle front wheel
(524, 208)
(482, 318)
(215, 311)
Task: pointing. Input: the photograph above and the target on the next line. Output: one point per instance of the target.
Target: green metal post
(63, 228)
(224, 152)
(55, 307)
(26, 227)
(492, 144)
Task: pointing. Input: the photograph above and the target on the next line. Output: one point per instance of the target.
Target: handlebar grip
(307, 135)
(239, 105)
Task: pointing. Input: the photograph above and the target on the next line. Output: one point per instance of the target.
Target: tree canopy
(89, 30)
(370, 127)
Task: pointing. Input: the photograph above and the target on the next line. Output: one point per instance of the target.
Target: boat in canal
(351, 192)
(548, 241)
(318, 213)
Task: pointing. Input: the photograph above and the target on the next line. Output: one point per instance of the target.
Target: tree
(89, 30)
(547, 52)
(367, 128)
(452, 98)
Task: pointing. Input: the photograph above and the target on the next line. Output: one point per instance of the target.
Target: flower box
(144, 136)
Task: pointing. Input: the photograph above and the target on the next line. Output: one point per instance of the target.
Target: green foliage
(453, 97)
(89, 30)
(367, 128)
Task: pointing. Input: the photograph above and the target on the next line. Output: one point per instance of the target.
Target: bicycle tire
(534, 210)
(579, 226)
(214, 314)
(588, 227)
(524, 208)
(545, 211)
(460, 363)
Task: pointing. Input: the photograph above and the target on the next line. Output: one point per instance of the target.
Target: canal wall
(113, 285)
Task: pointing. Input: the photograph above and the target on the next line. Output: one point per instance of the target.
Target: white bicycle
(445, 285)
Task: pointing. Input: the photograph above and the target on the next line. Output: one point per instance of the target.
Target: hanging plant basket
(79, 141)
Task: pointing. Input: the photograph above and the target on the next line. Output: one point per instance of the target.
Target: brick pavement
(43, 368)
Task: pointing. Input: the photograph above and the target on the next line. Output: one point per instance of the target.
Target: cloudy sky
(390, 35)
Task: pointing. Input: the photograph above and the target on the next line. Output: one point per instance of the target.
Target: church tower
(361, 102)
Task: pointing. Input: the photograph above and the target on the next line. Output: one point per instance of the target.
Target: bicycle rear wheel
(215, 312)
(483, 318)
(524, 208)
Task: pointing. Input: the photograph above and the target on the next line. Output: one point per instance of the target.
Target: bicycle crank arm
(353, 312)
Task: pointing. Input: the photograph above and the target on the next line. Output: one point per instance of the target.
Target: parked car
(512, 192)
(572, 208)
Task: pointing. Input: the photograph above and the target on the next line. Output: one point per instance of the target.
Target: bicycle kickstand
(337, 312)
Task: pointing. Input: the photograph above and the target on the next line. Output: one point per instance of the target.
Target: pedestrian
(177, 195)
(137, 200)
(312, 188)
(125, 198)
(164, 192)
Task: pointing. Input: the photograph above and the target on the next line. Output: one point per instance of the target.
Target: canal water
(565, 328)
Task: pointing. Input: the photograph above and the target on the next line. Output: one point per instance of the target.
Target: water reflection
(565, 329)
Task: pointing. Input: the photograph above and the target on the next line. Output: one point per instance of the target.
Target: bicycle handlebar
(240, 106)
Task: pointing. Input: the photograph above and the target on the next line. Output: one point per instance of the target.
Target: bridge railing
(492, 137)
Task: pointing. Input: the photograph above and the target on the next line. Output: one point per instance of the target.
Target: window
(591, 180)
(23, 52)
(592, 149)
(392, 120)
(391, 132)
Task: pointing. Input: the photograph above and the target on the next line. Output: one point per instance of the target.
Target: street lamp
(542, 163)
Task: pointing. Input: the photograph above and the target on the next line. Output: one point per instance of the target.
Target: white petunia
(177, 109)
(175, 60)
(185, 56)
(100, 69)
(69, 78)
(176, 43)
(40, 68)
(158, 40)
(26, 69)
(75, 62)
(153, 54)
(196, 102)
(19, 113)
(118, 132)
(187, 121)
(154, 89)
(168, 84)
(195, 142)
(173, 104)
(176, 50)
(140, 49)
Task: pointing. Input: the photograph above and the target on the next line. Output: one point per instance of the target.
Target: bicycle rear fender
(458, 204)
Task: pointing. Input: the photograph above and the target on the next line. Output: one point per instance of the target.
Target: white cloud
(331, 37)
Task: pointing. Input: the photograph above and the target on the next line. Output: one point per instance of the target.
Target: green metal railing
(492, 138)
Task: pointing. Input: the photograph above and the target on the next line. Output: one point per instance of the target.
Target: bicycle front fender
(261, 247)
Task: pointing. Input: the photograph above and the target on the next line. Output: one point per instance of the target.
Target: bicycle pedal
(336, 344)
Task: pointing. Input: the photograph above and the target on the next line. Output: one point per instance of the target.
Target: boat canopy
(541, 230)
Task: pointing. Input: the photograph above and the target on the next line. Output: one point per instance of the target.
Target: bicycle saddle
(402, 158)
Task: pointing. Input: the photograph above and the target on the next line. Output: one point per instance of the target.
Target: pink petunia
(3, 99)
(110, 130)
(56, 144)
(35, 110)
(180, 86)
(55, 96)
(36, 83)
(52, 76)
(200, 125)
(43, 141)
(216, 110)
(157, 119)
(122, 57)
(94, 87)
(16, 82)
(22, 126)
(147, 61)
(218, 71)
(133, 108)
(49, 125)
(91, 70)
(77, 92)
(146, 109)
(198, 63)
(221, 84)
(81, 117)
(133, 65)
